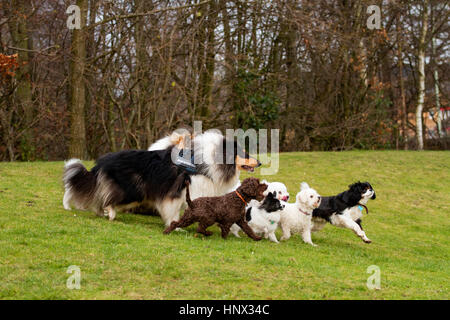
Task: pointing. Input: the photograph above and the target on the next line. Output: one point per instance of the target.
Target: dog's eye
(279, 192)
(311, 197)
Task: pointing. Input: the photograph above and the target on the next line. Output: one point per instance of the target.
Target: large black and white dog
(345, 210)
(127, 179)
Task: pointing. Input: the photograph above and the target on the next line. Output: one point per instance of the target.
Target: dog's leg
(358, 221)
(170, 228)
(286, 232)
(342, 221)
(169, 210)
(306, 236)
(246, 228)
(66, 200)
(235, 230)
(186, 220)
(225, 228)
(202, 228)
(111, 213)
(273, 237)
(317, 225)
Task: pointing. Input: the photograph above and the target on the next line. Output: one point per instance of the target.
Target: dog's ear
(353, 195)
(304, 186)
(302, 197)
(262, 187)
(252, 187)
(374, 195)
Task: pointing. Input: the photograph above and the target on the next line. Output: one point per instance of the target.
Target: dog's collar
(306, 213)
(360, 206)
(239, 195)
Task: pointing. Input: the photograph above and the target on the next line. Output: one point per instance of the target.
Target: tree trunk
(77, 146)
(403, 110)
(21, 40)
(421, 78)
(436, 82)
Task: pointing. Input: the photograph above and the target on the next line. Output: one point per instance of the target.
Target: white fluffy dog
(296, 217)
(279, 189)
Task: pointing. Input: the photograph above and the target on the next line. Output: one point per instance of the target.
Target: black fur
(347, 199)
(248, 214)
(358, 221)
(269, 204)
(132, 176)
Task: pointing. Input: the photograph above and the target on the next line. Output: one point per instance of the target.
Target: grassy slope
(130, 258)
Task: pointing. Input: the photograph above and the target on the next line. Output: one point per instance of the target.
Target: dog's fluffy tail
(188, 196)
(79, 185)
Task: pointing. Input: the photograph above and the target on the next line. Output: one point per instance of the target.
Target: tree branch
(143, 14)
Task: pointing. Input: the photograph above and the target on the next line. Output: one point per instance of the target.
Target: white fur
(296, 217)
(278, 188)
(167, 141)
(69, 174)
(262, 223)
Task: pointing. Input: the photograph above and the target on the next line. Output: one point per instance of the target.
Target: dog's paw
(367, 240)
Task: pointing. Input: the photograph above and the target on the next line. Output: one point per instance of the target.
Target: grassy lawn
(130, 258)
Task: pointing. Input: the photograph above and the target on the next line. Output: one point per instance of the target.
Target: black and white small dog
(264, 218)
(345, 210)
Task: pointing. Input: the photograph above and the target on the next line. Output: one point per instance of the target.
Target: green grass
(130, 258)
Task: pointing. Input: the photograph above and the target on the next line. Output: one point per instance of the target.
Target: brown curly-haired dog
(224, 210)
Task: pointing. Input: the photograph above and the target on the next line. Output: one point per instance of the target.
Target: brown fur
(225, 210)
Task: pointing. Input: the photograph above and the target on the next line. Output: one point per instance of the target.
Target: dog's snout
(258, 164)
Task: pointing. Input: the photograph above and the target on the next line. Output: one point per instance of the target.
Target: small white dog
(277, 188)
(296, 217)
(264, 218)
